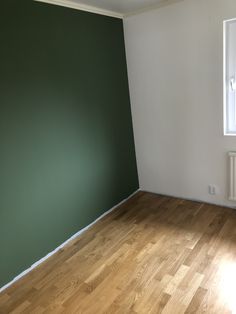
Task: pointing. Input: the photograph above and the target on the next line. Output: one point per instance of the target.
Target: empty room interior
(118, 156)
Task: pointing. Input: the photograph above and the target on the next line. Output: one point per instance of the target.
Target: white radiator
(232, 176)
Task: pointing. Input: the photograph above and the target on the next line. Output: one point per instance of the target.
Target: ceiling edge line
(160, 5)
(83, 7)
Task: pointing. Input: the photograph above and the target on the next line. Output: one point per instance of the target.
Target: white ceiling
(120, 6)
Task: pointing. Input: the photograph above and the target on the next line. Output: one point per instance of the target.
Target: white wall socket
(212, 189)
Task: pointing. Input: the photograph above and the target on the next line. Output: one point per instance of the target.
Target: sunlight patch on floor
(228, 285)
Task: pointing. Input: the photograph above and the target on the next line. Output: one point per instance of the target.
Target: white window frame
(229, 84)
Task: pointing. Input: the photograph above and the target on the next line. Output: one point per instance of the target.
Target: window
(230, 77)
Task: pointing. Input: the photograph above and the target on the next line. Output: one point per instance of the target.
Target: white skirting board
(63, 244)
(188, 199)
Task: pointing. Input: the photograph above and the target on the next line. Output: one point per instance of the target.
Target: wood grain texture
(153, 254)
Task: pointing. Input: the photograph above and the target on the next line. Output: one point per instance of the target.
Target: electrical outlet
(212, 189)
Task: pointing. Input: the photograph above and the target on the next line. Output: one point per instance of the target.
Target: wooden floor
(153, 254)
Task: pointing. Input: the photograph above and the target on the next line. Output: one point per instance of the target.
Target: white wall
(175, 64)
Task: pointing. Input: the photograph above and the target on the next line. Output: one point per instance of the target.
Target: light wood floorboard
(153, 254)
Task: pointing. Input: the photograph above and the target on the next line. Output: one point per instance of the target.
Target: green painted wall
(67, 149)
